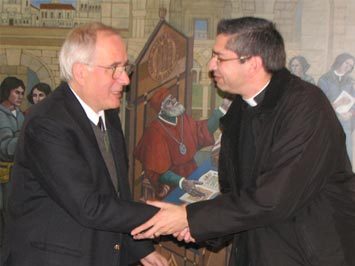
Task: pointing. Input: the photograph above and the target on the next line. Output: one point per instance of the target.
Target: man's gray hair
(79, 47)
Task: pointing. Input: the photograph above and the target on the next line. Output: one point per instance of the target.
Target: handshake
(171, 219)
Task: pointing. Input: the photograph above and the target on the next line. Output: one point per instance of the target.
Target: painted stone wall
(317, 29)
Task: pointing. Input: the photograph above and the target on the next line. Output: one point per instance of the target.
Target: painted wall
(31, 33)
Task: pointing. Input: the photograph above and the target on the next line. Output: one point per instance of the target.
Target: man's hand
(184, 235)
(154, 259)
(169, 220)
(189, 186)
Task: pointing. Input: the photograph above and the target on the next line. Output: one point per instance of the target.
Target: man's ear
(256, 63)
(79, 73)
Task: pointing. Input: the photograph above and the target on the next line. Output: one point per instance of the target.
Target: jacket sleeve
(304, 147)
(138, 249)
(8, 139)
(60, 162)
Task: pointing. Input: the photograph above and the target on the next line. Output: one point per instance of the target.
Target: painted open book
(343, 102)
(210, 187)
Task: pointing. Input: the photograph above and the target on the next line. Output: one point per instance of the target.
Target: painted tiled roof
(57, 6)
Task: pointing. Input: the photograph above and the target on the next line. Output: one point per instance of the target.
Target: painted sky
(38, 2)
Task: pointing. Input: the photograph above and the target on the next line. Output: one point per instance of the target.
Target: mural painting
(176, 113)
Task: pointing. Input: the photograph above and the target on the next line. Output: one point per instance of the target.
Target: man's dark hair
(252, 36)
(9, 84)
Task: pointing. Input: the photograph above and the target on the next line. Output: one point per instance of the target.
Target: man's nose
(124, 79)
(212, 64)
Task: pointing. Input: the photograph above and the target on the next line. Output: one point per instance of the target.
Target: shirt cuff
(222, 110)
(180, 182)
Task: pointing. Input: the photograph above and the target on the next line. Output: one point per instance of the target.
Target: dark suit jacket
(63, 208)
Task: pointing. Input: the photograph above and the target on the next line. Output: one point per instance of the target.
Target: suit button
(116, 247)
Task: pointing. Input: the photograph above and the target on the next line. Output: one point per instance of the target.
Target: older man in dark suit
(70, 201)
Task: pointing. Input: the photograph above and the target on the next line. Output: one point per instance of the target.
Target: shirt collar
(339, 75)
(91, 114)
(169, 120)
(258, 97)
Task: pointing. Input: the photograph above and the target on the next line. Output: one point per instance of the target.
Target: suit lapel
(80, 118)
(230, 126)
(117, 143)
(118, 148)
(78, 114)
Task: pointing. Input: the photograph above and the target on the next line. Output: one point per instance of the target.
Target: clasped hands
(171, 219)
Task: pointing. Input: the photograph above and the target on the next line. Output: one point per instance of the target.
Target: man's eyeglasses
(220, 60)
(117, 70)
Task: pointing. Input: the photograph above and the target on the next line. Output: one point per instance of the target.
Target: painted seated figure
(170, 142)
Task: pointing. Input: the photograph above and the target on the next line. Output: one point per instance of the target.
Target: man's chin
(115, 104)
(220, 86)
(218, 82)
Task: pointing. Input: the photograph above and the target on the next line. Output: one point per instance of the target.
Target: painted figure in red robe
(169, 144)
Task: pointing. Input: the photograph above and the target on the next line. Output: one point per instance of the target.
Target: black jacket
(299, 207)
(63, 208)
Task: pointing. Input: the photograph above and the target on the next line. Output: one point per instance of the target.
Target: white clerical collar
(340, 76)
(252, 101)
(90, 113)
